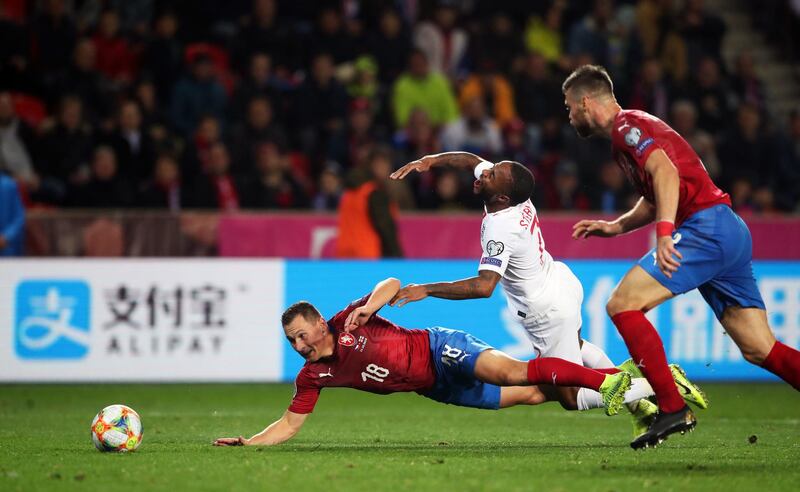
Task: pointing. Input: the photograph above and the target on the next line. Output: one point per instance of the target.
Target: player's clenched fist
(600, 228)
(409, 293)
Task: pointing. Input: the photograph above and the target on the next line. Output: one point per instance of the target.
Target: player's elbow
(485, 289)
(393, 282)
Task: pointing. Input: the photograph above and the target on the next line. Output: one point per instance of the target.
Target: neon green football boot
(690, 392)
(613, 391)
(642, 416)
(631, 368)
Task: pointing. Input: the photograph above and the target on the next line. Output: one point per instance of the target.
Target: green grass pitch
(356, 441)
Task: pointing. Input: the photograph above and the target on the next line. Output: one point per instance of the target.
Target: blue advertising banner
(692, 336)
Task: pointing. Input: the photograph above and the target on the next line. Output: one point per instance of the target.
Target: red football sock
(784, 361)
(607, 370)
(647, 350)
(560, 372)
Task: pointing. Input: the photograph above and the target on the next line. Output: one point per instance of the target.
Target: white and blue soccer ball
(117, 428)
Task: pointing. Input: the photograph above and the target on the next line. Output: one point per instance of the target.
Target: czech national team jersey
(379, 357)
(513, 246)
(636, 135)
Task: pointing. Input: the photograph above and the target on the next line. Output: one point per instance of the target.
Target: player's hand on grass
(420, 166)
(600, 228)
(356, 318)
(409, 293)
(230, 441)
(667, 256)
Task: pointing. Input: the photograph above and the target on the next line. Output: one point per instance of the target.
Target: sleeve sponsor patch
(491, 261)
(642, 146)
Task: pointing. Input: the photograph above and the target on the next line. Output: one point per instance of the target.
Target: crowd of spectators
(260, 104)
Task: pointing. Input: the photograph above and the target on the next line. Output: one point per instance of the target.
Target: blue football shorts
(717, 254)
(454, 355)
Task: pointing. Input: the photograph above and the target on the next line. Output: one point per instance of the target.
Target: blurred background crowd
(260, 104)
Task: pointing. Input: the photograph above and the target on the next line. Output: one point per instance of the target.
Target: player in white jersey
(544, 294)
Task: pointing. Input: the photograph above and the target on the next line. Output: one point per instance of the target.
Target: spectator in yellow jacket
(493, 89)
(419, 87)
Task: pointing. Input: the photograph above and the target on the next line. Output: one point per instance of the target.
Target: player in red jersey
(445, 365)
(701, 243)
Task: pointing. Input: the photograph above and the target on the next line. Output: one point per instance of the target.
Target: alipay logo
(52, 319)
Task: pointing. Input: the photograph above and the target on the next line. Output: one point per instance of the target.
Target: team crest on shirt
(494, 248)
(347, 340)
(633, 136)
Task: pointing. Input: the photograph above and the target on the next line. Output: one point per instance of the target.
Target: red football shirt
(636, 135)
(379, 357)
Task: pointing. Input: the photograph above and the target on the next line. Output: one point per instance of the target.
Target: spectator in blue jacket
(12, 217)
(196, 95)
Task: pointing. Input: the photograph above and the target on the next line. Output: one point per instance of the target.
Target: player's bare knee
(754, 355)
(616, 304)
(509, 376)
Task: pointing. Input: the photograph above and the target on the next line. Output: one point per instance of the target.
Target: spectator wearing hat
(364, 82)
(196, 94)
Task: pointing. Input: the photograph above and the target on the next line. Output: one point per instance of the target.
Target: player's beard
(584, 130)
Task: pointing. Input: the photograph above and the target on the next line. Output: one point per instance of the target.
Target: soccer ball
(117, 428)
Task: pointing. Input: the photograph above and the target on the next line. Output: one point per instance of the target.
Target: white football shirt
(513, 247)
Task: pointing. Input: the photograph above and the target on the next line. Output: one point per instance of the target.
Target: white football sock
(588, 399)
(594, 357)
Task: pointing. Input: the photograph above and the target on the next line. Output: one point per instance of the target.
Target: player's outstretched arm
(279, 431)
(382, 293)
(477, 287)
(423, 164)
(640, 215)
